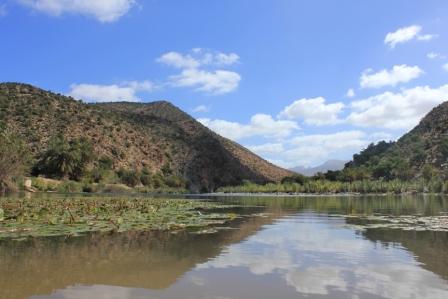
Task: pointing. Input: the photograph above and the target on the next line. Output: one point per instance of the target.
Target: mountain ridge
(135, 136)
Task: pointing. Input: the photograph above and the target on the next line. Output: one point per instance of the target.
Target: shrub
(130, 178)
(14, 158)
(70, 187)
(146, 180)
(44, 185)
(175, 182)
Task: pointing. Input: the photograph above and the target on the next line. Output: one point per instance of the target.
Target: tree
(429, 172)
(14, 158)
(444, 148)
(373, 150)
(295, 178)
(65, 159)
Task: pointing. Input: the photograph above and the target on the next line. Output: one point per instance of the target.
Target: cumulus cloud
(313, 111)
(201, 69)
(179, 60)
(201, 109)
(406, 34)
(398, 74)
(351, 93)
(312, 149)
(260, 125)
(198, 57)
(267, 148)
(210, 57)
(214, 82)
(400, 110)
(126, 91)
(104, 10)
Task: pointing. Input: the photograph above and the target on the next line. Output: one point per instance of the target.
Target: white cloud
(445, 67)
(103, 10)
(401, 110)
(226, 59)
(179, 60)
(402, 35)
(198, 57)
(267, 148)
(398, 74)
(351, 93)
(214, 82)
(260, 125)
(196, 70)
(406, 34)
(125, 91)
(314, 111)
(201, 109)
(426, 37)
(313, 149)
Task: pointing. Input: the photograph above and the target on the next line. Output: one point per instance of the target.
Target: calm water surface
(292, 248)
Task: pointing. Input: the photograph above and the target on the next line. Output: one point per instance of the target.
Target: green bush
(44, 185)
(130, 178)
(70, 187)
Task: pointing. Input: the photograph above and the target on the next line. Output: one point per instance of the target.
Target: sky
(297, 82)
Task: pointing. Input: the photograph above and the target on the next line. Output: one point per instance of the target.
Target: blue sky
(273, 75)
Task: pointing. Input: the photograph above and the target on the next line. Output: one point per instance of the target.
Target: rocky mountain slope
(134, 136)
(423, 149)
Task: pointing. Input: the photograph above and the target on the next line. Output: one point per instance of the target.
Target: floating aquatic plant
(403, 222)
(40, 217)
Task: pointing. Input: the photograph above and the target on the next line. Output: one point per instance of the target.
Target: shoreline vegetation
(312, 186)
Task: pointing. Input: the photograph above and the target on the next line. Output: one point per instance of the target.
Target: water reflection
(300, 248)
(317, 255)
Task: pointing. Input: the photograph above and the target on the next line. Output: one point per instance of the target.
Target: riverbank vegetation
(300, 184)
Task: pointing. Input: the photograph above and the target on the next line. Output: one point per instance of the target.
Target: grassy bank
(325, 186)
(69, 186)
(71, 216)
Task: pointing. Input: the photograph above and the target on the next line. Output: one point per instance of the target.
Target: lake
(280, 247)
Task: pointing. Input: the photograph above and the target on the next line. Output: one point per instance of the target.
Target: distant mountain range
(328, 165)
(134, 136)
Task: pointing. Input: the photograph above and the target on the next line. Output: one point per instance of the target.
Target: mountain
(328, 165)
(421, 152)
(153, 136)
